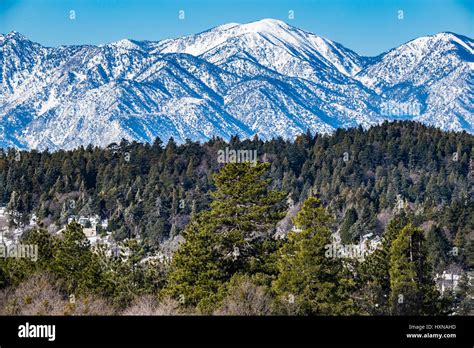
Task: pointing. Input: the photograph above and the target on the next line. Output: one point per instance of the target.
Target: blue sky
(369, 27)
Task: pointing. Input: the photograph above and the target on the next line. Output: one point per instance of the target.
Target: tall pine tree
(223, 240)
(412, 289)
(310, 282)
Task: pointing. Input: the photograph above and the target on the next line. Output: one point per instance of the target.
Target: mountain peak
(126, 44)
(446, 35)
(263, 25)
(265, 77)
(227, 26)
(273, 43)
(443, 41)
(454, 38)
(15, 35)
(267, 24)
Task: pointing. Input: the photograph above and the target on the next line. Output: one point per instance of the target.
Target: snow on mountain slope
(273, 44)
(434, 71)
(100, 96)
(265, 78)
(416, 60)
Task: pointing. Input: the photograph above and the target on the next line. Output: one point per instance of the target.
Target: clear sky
(368, 27)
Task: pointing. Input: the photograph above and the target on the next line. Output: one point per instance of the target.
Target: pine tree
(45, 243)
(223, 240)
(373, 273)
(243, 210)
(438, 247)
(73, 261)
(350, 219)
(196, 274)
(309, 280)
(463, 304)
(412, 289)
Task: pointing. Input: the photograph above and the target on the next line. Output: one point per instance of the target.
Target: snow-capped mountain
(266, 78)
(272, 44)
(435, 71)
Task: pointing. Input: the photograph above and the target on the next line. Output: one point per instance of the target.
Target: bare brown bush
(39, 295)
(90, 305)
(35, 296)
(4, 295)
(148, 305)
(245, 298)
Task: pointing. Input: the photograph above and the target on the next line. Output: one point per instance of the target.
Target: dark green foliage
(229, 237)
(412, 289)
(79, 269)
(150, 190)
(73, 260)
(196, 276)
(438, 248)
(402, 173)
(347, 228)
(463, 303)
(373, 274)
(310, 282)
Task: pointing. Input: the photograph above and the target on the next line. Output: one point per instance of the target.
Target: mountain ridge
(265, 77)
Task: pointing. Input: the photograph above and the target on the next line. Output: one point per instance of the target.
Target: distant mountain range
(266, 78)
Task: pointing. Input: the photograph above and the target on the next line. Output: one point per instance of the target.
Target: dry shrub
(35, 296)
(90, 305)
(39, 295)
(4, 296)
(244, 297)
(148, 305)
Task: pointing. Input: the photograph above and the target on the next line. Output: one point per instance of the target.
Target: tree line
(406, 182)
(231, 263)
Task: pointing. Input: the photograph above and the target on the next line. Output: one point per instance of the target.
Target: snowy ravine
(266, 78)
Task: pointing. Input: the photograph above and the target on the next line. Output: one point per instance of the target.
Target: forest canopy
(251, 230)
